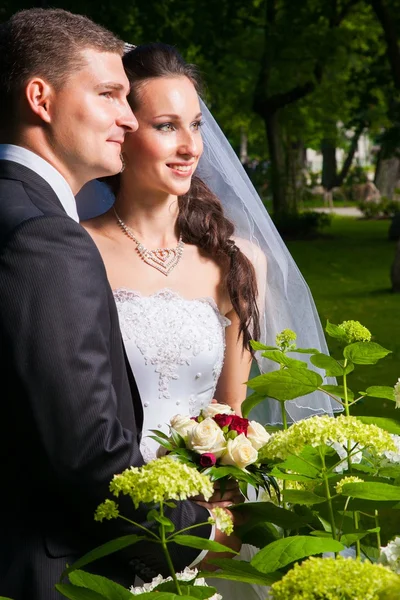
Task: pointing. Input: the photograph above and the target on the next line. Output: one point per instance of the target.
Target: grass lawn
(348, 271)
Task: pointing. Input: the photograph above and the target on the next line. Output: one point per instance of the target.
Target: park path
(344, 211)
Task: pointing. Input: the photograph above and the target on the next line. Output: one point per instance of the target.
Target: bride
(196, 265)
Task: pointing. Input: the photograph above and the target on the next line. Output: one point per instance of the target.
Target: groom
(71, 415)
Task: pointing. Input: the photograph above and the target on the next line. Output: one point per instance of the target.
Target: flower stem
(328, 497)
(346, 397)
(285, 426)
(378, 533)
(167, 554)
(358, 543)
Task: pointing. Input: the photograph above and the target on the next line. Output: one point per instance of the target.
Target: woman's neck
(151, 217)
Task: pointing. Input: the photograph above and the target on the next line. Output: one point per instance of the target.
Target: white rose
(239, 452)
(207, 436)
(217, 409)
(182, 424)
(257, 435)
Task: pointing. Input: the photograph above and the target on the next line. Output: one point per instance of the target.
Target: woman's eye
(197, 125)
(165, 127)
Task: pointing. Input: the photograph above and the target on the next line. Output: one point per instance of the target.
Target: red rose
(239, 424)
(207, 459)
(223, 420)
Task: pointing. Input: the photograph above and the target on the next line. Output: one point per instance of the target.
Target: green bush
(302, 225)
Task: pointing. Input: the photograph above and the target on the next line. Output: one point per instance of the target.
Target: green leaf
(178, 439)
(324, 361)
(104, 550)
(200, 543)
(392, 471)
(365, 353)
(250, 402)
(229, 471)
(162, 442)
(259, 512)
(302, 497)
(101, 585)
(282, 359)
(372, 491)
(286, 384)
(335, 331)
(77, 593)
(240, 570)
(160, 434)
(283, 552)
(291, 476)
(381, 391)
(306, 350)
(338, 390)
(259, 346)
(389, 425)
(163, 596)
(198, 591)
(351, 537)
(308, 463)
(258, 535)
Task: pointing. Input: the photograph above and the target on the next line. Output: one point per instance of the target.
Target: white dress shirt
(44, 169)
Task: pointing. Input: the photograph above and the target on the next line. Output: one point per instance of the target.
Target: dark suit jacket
(70, 414)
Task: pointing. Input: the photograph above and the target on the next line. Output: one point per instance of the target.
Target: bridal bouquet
(220, 444)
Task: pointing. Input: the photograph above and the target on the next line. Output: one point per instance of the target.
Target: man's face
(90, 116)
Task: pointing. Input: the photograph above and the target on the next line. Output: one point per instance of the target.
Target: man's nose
(127, 120)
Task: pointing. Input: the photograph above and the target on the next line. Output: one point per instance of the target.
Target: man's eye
(106, 94)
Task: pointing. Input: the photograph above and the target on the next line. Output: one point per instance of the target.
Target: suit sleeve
(54, 296)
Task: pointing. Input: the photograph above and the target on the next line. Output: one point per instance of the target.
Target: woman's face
(162, 155)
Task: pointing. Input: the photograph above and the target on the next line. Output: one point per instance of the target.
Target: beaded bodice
(175, 347)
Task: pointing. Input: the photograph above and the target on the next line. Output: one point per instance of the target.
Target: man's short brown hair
(45, 43)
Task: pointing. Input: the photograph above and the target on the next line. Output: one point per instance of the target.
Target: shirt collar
(40, 166)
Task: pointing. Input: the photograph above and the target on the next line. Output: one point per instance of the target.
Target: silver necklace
(162, 259)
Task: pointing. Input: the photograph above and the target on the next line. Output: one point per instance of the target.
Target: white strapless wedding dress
(175, 347)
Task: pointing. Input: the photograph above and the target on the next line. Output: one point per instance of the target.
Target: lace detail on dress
(170, 330)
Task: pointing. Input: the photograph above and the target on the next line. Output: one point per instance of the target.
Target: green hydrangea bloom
(107, 510)
(342, 482)
(160, 480)
(334, 579)
(284, 338)
(355, 332)
(321, 430)
(222, 519)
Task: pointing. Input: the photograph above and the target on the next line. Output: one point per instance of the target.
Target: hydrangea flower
(355, 332)
(334, 579)
(222, 519)
(341, 451)
(321, 430)
(390, 555)
(284, 338)
(160, 480)
(392, 456)
(342, 482)
(107, 510)
(397, 393)
(185, 576)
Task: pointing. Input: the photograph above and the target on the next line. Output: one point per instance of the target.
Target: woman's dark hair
(201, 219)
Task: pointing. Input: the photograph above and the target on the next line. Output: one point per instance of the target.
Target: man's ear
(38, 94)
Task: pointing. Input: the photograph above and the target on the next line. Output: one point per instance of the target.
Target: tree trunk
(329, 164)
(395, 274)
(279, 183)
(386, 175)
